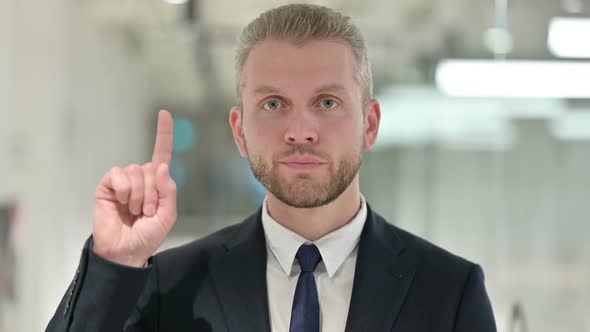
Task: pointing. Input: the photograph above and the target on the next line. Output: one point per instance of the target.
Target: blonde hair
(300, 23)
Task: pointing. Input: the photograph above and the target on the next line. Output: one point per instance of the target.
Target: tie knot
(309, 257)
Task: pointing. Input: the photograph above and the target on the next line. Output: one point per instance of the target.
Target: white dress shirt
(334, 275)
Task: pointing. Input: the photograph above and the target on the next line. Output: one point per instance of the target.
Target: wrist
(129, 260)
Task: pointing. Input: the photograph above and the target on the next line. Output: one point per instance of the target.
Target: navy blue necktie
(305, 315)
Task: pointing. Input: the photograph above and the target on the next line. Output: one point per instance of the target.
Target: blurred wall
(75, 103)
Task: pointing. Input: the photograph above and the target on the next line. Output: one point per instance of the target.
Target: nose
(301, 128)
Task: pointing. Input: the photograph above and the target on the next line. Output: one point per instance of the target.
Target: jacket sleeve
(475, 310)
(105, 296)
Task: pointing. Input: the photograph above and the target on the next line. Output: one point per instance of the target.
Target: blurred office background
(484, 146)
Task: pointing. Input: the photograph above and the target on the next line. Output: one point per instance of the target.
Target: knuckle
(136, 194)
(125, 189)
(114, 170)
(133, 168)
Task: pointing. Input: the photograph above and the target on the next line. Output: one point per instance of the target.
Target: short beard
(304, 193)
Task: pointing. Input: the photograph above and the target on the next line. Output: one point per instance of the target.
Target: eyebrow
(265, 89)
(330, 88)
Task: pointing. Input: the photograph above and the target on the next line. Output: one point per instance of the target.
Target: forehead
(284, 65)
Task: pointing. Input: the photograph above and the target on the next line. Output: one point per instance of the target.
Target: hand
(135, 207)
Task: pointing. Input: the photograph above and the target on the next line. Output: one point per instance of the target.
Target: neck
(314, 223)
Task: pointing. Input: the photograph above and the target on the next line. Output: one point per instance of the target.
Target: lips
(302, 162)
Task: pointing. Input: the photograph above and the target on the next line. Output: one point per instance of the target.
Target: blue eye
(329, 103)
(272, 105)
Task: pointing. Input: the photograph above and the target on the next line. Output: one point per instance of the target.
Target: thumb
(166, 188)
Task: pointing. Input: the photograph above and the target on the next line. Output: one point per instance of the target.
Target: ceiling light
(569, 37)
(525, 79)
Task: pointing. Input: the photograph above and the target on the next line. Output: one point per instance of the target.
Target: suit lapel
(239, 277)
(383, 274)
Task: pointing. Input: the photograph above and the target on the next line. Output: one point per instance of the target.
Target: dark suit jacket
(402, 283)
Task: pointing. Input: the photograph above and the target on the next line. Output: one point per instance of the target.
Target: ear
(235, 121)
(372, 120)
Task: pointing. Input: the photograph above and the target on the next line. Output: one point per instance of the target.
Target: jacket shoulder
(430, 257)
(445, 285)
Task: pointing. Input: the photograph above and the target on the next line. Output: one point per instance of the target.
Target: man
(315, 256)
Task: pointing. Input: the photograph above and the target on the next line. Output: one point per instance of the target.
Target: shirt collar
(334, 247)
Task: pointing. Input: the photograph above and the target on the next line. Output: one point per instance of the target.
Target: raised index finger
(164, 139)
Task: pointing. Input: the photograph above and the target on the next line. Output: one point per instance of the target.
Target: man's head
(298, 24)
(305, 111)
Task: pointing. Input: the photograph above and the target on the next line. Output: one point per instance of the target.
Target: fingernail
(150, 210)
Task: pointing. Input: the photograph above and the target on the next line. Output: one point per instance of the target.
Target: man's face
(302, 124)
